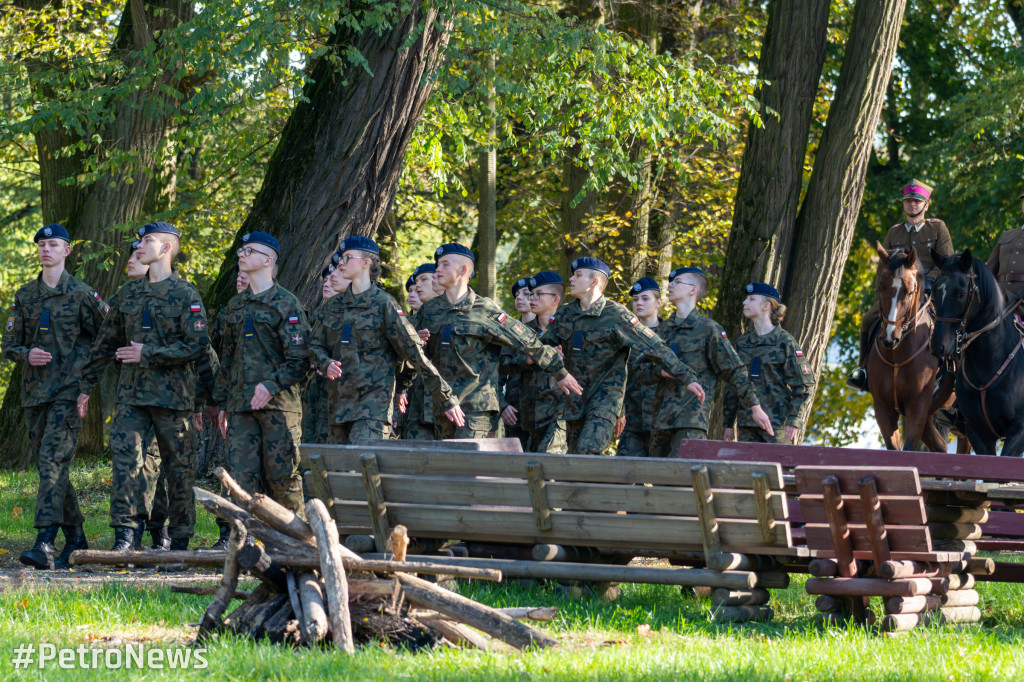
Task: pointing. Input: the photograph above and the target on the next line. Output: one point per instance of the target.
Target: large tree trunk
(768, 195)
(336, 169)
(487, 223)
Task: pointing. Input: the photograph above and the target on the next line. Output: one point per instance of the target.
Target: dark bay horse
(901, 371)
(973, 327)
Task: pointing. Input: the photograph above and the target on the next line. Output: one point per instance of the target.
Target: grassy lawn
(651, 632)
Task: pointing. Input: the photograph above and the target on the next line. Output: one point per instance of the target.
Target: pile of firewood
(314, 591)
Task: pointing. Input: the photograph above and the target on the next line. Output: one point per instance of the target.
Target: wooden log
(315, 625)
(908, 621)
(333, 571)
(952, 583)
(296, 602)
(872, 509)
(535, 613)
(947, 514)
(954, 531)
(823, 568)
(255, 559)
(754, 597)
(256, 627)
(826, 603)
(206, 591)
(463, 610)
(282, 627)
(457, 633)
(901, 622)
(743, 614)
(538, 495)
(918, 604)
(706, 516)
(360, 544)
(211, 620)
(85, 557)
(546, 552)
(917, 569)
(840, 619)
(399, 542)
(276, 541)
(967, 546)
(959, 614)
(731, 561)
(371, 588)
(835, 511)
(260, 594)
(776, 580)
(280, 517)
(375, 498)
(873, 587)
(960, 598)
(981, 566)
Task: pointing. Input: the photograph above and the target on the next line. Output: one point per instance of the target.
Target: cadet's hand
(790, 433)
(403, 402)
(333, 370)
(569, 384)
(131, 353)
(456, 416)
(761, 417)
(620, 426)
(508, 415)
(260, 397)
(727, 434)
(558, 349)
(197, 419)
(222, 423)
(83, 405)
(424, 334)
(37, 357)
(698, 390)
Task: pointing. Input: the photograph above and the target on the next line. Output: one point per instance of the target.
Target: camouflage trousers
(549, 438)
(53, 434)
(478, 425)
(590, 435)
(360, 429)
(749, 434)
(152, 501)
(665, 443)
(131, 433)
(634, 444)
(266, 443)
(517, 432)
(415, 429)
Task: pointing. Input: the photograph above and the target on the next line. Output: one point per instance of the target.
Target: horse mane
(988, 288)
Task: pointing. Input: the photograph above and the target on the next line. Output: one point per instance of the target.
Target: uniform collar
(161, 289)
(687, 322)
(263, 296)
(463, 305)
(63, 284)
(914, 228)
(767, 338)
(355, 300)
(594, 310)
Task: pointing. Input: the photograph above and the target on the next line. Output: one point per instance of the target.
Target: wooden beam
(375, 499)
(538, 495)
(706, 517)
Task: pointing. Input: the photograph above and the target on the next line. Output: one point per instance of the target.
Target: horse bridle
(912, 312)
(961, 322)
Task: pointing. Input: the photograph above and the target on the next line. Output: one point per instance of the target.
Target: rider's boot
(858, 379)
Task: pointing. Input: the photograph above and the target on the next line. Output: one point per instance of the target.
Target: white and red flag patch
(293, 319)
(195, 307)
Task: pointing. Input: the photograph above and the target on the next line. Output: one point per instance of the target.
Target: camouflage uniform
(63, 321)
(782, 379)
(596, 344)
(702, 344)
(157, 393)
(511, 393)
(540, 399)
(465, 345)
(265, 342)
(419, 413)
(635, 440)
(1007, 263)
(315, 407)
(369, 335)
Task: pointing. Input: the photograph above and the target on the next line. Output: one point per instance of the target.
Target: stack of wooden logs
(314, 591)
(746, 605)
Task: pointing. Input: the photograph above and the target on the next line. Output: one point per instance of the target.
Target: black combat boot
(161, 540)
(858, 379)
(179, 544)
(74, 538)
(222, 541)
(137, 536)
(41, 554)
(124, 540)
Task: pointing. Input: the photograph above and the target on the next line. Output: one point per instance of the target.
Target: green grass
(599, 641)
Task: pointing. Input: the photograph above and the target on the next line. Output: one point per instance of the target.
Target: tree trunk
(768, 195)
(487, 226)
(1015, 8)
(336, 168)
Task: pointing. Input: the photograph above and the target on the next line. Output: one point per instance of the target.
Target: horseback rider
(1007, 263)
(922, 233)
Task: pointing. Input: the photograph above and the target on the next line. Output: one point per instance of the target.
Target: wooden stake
(538, 495)
(375, 498)
(333, 570)
(763, 503)
(296, 601)
(313, 610)
(458, 633)
(706, 510)
(229, 581)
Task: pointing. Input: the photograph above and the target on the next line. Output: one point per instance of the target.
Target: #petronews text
(139, 656)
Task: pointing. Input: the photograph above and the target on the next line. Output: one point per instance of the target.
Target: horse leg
(983, 441)
(932, 437)
(963, 445)
(1013, 446)
(889, 424)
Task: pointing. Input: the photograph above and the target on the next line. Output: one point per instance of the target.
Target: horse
(973, 328)
(901, 375)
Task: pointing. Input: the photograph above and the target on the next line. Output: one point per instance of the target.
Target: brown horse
(901, 371)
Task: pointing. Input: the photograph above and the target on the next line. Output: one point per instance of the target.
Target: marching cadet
(776, 368)
(362, 336)
(924, 234)
(540, 416)
(157, 329)
(52, 324)
(402, 399)
(639, 398)
(512, 382)
(419, 411)
(703, 345)
(595, 336)
(263, 369)
(465, 334)
(1007, 263)
(315, 407)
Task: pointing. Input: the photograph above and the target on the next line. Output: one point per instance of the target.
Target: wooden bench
(869, 531)
(733, 515)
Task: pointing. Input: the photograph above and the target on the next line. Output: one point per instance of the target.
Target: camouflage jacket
(512, 382)
(465, 344)
(540, 397)
(369, 335)
(932, 235)
(420, 407)
(168, 318)
(702, 344)
(63, 321)
(264, 342)
(639, 400)
(778, 372)
(596, 344)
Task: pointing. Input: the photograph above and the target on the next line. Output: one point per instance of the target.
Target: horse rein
(897, 365)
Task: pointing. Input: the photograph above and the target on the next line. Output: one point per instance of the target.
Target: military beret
(52, 231)
(261, 238)
(762, 289)
(453, 249)
(685, 271)
(358, 243)
(644, 284)
(134, 245)
(545, 277)
(326, 272)
(916, 190)
(590, 263)
(424, 269)
(157, 228)
(521, 283)
(336, 257)
(410, 283)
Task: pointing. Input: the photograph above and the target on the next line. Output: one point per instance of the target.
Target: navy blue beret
(590, 263)
(424, 269)
(135, 245)
(453, 249)
(644, 284)
(157, 228)
(53, 231)
(410, 283)
(521, 283)
(545, 277)
(686, 271)
(336, 257)
(358, 243)
(261, 238)
(326, 272)
(762, 289)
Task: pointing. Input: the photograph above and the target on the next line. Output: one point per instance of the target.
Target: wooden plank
(762, 500)
(538, 495)
(374, 492)
(896, 555)
(890, 480)
(486, 444)
(1003, 524)
(706, 518)
(904, 510)
(839, 538)
(901, 538)
(583, 468)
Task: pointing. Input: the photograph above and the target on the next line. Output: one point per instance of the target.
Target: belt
(1010, 278)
